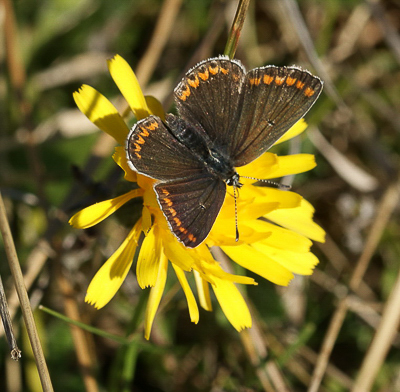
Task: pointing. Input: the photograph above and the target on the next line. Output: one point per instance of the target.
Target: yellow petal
(111, 275)
(299, 220)
(259, 263)
(298, 263)
(100, 111)
(155, 295)
(220, 236)
(292, 164)
(148, 260)
(265, 199)
(283, 238)
(233, 305)
(209, 268)
(247, 209)
(176, 252)
(260, 167)
(129, 86)
(296, 129)
(96, 213)
(203, 292)
(119, 157)
(155, 106)
(191, 301)
(146, 219)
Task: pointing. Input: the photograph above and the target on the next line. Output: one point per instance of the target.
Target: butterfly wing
(274, 99)
(189, 196)
(191, 206)
(152, 150)
(209, 96)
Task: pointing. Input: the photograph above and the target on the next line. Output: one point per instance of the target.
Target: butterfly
(227, 118)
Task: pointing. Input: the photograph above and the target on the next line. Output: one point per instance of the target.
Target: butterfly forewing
(153, 151)
(210, 95)
(275, 98)
(191, 206)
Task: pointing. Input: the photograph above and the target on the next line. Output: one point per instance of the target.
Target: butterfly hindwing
(152, 150)
(275, 98)
(191, 206)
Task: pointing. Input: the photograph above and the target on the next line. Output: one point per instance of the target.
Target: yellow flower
(275, 225)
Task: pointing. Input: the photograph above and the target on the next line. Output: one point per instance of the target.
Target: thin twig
(293, 12)
(161, 33)
(236, 29)
(24, 299)
(382, 341)
(8, 328)
(79, 337)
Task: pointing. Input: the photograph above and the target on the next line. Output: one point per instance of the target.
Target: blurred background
(334, 331)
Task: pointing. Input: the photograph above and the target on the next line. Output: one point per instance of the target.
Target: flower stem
(237, 25)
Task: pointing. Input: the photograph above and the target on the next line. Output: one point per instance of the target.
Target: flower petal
(148, 260)
(296, 129)
(129, 86)
(298, 263)
(203, 291)
(260, 167)
(233, 305)
(209, 268)
(111, 275)
(191, 301)
(100, 111)
(156, 293)
(176, 252)
(299, 220)
(96, 213)
(119, 157)
(146, 219)
(292, 164)
(259, 263)
(155, 106)
(283, 238)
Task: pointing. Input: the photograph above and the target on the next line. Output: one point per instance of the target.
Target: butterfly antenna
(282, 187)
(236, 215)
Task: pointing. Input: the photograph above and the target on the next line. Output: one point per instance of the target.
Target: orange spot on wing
(309, 92)
(140, 140)
(299, 85)
(235, 77)
(138, 155)
(172, 211)
(255, 81)
(144, 133)
(166, 193)
(168, 202)
(213, 71)
(194, 83)
(177, 221)
(205, 75)
(279, 81)
(192, 238)
(152, 126)
(290, 81)
(138, 148)
(224, 71)
(267, 79)
(185, 94)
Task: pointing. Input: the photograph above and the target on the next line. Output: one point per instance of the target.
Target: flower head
(275, 226)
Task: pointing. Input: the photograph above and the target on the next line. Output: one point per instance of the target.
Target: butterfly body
(227, 118)
(216, 161)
